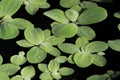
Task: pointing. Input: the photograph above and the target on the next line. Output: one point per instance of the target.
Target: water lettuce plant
(70, 39)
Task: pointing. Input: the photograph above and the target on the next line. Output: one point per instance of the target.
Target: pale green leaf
(61, 59)
(53, 66)
(96, 77)
(55, 40)
(9, 7)
(28, 72)
(81, 41)
(46, 76)
(56, 75)
(22, 23)
(70, 59)
(71, 14)
(114, 44)
(87, 32)
(96, 46)
(99, 60)
(117, 14)
(3, 76)
(47, 33)
(102, 0)
(92, 15)
(19, 59)
(24, 43)
(88, 4)
(17, 77)
(65, 71)
(69, 4)
(57, 15)
(42, 67)
(55, 52)
(54, 23)
(76, 8)
(45, 5)
(8, 31)
(37, 2)
(34, 35)
(65, 30)
(83, 60)
(1, 59)
(32, 9)
(68, 48)
(119, 26)
(9, 68)
(36, 55)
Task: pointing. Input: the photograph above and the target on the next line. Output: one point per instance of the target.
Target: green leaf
(76, 8)
(83, 60)
(65, 71)
(34, 35)
(88, 4)
(53, 66)
(1, 59)
(71, 14)
(24, 43)
(53, 40)
(47, 33)
(68, 48)
(61, 59)
(102, 0)
(32, 9)
(17, 77)
(22, 23)
(96, 77)
(45, 5)
(4, 76)
(117, 14)
(37, 2)
(19, 59)
(55, 52)
(56, 75)
(87, 32)
(42, 67)
(46, 76)
(36, 55)
(114, 44)
(69, 4)
(92, 15)
(70, 59)
(8, 31)
(28, 72)
(65, 30)
(81, 42)
(9, 7)
(96, 46)
(9, 68)
(99, 60)
(57, 15)
(119, 26)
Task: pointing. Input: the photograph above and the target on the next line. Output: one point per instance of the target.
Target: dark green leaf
(92, 15)
(69, 4)
(114, 44)
(83, 60)
(65, 71)
(87, 32)
(34, 35)
(68, 48)
(9, 68)
(96, 46)
(65, 30)
(36, 55)
(57, 15)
